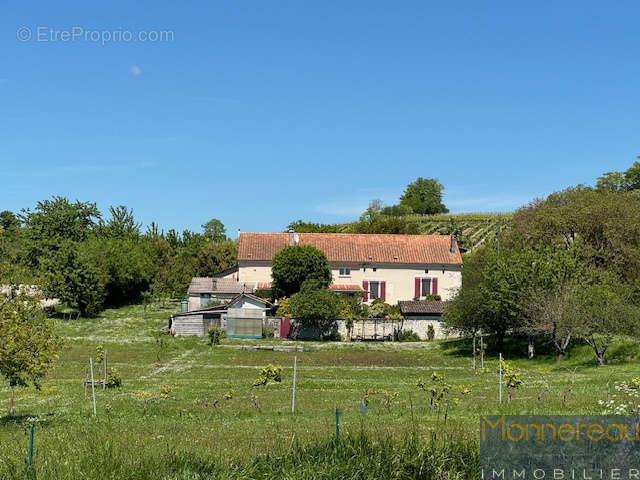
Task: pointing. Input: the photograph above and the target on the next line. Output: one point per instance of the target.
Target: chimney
(454, 245)
(292, 238)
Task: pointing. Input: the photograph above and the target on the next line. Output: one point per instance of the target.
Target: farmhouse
(389, 267)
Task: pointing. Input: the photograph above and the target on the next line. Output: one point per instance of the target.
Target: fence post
(293, 394)
(31, 435)
(104, 384)
(337, 430)
(500, 377)
(93, 387)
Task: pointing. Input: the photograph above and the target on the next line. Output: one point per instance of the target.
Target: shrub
(115, 380)
(407, 336)
(431, 333)
(99, 353)
(216, 334)
(265, 293)
(267, 331)
(269, 374)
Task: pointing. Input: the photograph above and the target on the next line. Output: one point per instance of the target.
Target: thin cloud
(136, 70)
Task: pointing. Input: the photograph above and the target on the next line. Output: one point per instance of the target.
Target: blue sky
(259, 113)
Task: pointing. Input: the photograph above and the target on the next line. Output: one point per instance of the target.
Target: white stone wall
(420, 326)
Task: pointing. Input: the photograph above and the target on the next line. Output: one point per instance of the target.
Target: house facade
(389, 267)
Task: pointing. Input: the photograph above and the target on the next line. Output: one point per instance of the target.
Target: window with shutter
(374, 290)
(426, 287)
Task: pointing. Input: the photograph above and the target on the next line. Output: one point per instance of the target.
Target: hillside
(472, 229)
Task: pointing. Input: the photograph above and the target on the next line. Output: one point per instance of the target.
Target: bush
(269, 374)
(115, 380)
(265, 293)
(407, 336)
(268, 331)
(431, 333)
(216, 334)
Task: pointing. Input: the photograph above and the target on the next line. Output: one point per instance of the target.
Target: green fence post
(31, 435)
(337, 430)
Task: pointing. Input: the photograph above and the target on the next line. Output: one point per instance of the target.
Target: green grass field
(141, 433)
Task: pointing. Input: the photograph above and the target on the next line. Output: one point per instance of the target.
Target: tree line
(568, 269)
(422, 197)
(90, 261)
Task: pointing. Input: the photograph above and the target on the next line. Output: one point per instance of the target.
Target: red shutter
(383, 291)
(416, 290)
(434, 286)
(365, 287)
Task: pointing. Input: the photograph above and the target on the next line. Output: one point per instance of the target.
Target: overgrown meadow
(187, 410)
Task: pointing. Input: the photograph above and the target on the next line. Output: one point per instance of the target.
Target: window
(375, 269)
(205, 298)
(345, 272)
(425, 287)
(374, 290)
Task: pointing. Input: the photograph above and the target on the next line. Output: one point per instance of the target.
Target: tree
(122, 223)
(8, 220)
(28, 344)
(293, 265)
(73, 277)
(374, 221)
(315, 307)
(621, 181)
(553, 314)
(424, 196)
(309, 227)
(214, 230)
(215, 257)
(604, 224)
(612, 182)
(397, 210)
(127, 263)
(603, 311)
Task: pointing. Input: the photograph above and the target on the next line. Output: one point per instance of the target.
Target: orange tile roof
(355, 248)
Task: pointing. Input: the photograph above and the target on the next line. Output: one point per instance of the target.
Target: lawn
(172, 407)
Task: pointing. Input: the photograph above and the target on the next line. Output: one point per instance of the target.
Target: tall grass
(359, 456)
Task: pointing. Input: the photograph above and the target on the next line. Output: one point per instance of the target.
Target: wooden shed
(196, 322)
(242, 317)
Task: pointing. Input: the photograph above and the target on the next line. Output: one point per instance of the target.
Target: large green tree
(215, 257)
(315, 306)
(293, 265)
(621, 181)
(72, 276)
(424, 196)
(214, 230)
(603, 311)
(28, 344)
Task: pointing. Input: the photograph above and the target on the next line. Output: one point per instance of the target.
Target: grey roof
(223, 308)
(218, 285)
(416, 307)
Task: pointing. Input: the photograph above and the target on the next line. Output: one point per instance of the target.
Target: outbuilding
(419, 314)
(242, 317)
